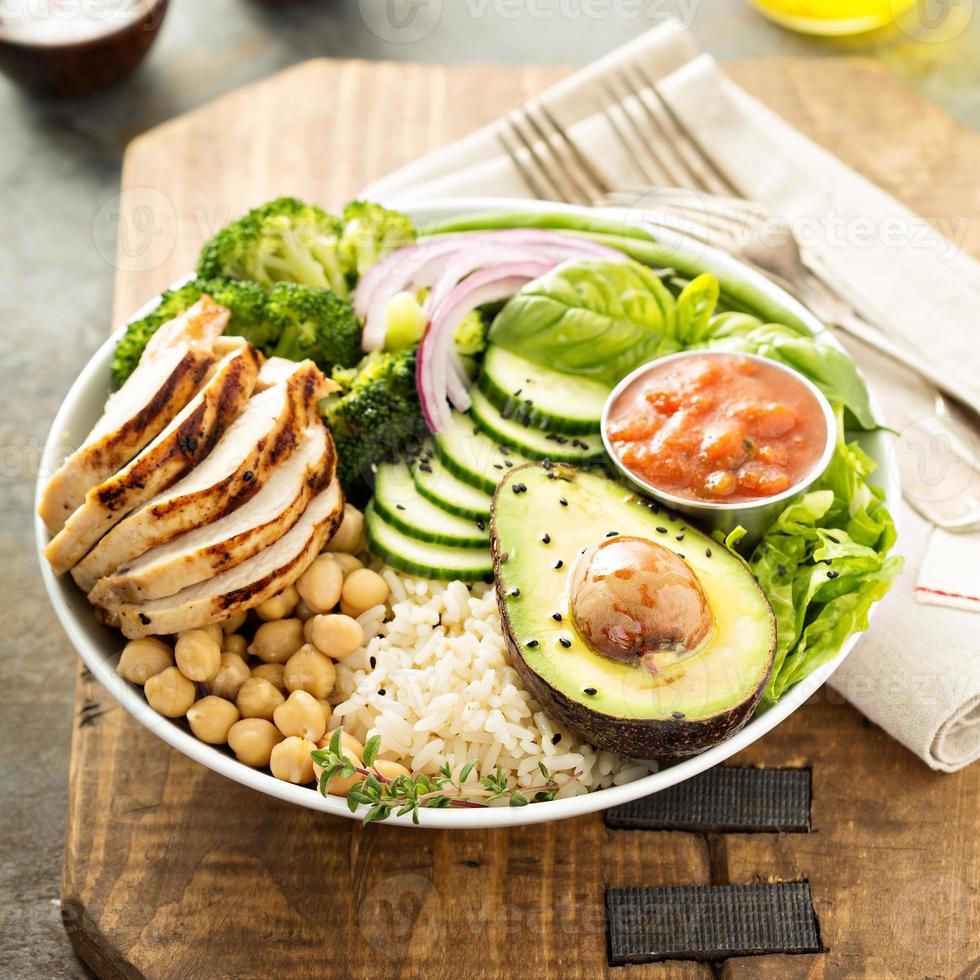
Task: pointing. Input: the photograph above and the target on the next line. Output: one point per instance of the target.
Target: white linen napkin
(917, 673)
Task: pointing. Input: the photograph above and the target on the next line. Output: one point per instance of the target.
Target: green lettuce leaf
(823, 563)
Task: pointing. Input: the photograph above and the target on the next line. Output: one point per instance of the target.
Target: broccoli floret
(471, 335)
(286, 240)
(376, 416)
(314, 323)
(249, 319)
(370, 232)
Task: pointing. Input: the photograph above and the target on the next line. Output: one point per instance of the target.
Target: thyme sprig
(409, 794)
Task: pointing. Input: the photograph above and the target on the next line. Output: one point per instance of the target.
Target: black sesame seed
(373, 662)
(508, 464)
(531, 644)
(546, 538)
(515, 593)
(559, 563)
(680, 554)
(563, 501)
(679, 537)
(678, 715)
(556, 738)
(591, 691)
(707, 552)
(144, 619)
(476, 430)
(561, 440)
(399, 506)
(661, 530)
(832, 574)
(517, 394)
(556, 617)
(248, 476)
(481, 525)
(612, 534)
(191, 444)
(565, 642)
(425, 468)
(498, 466)
(382, 691)
(520, 488)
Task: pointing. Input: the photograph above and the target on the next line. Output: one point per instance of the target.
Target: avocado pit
(633, 600)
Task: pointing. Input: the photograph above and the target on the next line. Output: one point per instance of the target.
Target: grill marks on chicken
(254, 445)
(213, 548)
(246, 585)
(187, 440)
(172, 368)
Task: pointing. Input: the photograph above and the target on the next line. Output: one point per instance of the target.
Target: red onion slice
(434, 363)
(425, 263)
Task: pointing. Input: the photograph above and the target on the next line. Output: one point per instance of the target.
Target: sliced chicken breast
(246, 585)
(183, 443)
(263, 436)
(210, 550)
(171, 370)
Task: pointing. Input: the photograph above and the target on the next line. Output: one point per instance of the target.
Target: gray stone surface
(59, 164)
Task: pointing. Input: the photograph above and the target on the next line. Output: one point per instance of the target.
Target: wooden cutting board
(173, 872)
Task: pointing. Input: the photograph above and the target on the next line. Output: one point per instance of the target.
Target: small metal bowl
(75, 67)
(754, 515)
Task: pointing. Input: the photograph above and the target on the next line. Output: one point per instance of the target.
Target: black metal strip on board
(726, 799)
(710, 922)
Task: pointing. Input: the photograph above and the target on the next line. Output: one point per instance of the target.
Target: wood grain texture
(172, 872)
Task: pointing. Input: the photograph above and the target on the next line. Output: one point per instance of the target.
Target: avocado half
(544, 518)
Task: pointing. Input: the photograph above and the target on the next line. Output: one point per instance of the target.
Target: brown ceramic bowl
(77, 67)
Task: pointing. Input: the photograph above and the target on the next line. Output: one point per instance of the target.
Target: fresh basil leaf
(695, 307)
(592, 318)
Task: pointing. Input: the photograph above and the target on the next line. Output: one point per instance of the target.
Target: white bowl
(99, 647)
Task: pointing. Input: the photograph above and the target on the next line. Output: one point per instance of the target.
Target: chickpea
(273, 674)
(390, 770)
(252, 740)
(141, 659)
(215, 631)
(170, 693)
(348, 743)
(198, 655)
(233, 623)
(275, 642)
(257, 698)
(303, 611)
(232, 673)
(236, 643)
(340, 785)
(327, 711)
(279, 606)
(309, 670)
(346, 609)
(336, 636)
(321, 584)
(290, 760)
(300, 714)
(348, 563)
(350, 534)
(211, 719)
(364, 589)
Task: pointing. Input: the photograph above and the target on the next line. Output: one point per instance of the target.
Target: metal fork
(707, 207)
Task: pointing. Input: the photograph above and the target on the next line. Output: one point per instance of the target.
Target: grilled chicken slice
(210, 550)
(171, 370)
(183, 443)
(263, 436)
(246, 585)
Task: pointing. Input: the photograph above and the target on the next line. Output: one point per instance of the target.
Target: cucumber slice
(399, 503)
(533, 442)
(473, 456)
(432, 561)
(546, 399)
(435, 483)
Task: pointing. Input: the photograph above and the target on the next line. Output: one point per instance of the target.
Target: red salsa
(719, 427)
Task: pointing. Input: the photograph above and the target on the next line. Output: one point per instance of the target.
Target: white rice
(452, 695)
